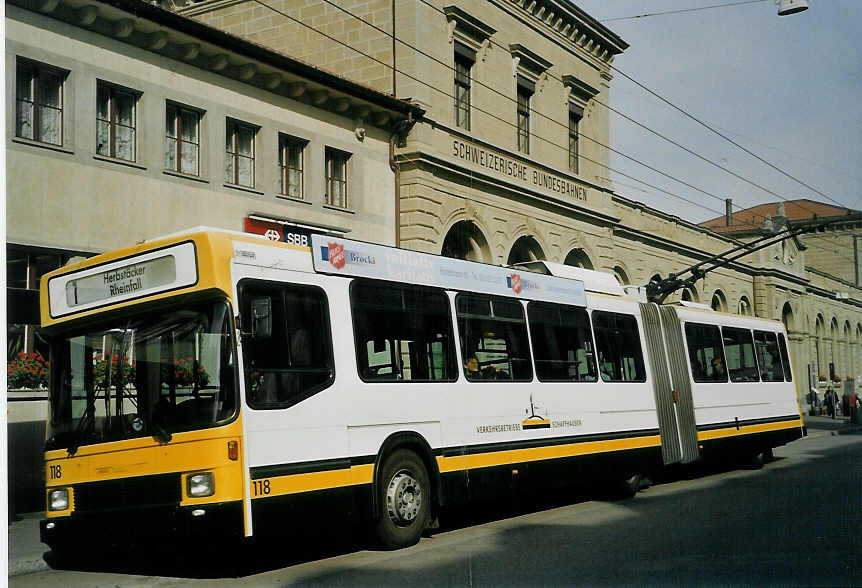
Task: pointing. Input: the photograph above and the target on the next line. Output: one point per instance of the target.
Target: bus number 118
(260, 487)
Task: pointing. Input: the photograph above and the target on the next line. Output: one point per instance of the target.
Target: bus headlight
(200, 485)
(58, 499)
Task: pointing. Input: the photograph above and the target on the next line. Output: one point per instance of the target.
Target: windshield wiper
(157, 415)
(84, 424)
(121, 384)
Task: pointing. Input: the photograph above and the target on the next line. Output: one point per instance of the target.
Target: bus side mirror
(261, 318)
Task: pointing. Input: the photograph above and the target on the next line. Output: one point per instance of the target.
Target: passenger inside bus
(717, 368)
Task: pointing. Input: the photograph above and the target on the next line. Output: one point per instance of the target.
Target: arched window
(525, 249)
(690, 295)
(465, 241)
(719, 302)
(578, 258)
(818, 345)
(787, 318)
(744, 307)
(621, 275)
(833, 348)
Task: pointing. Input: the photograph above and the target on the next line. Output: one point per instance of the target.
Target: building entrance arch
(466, 241)
(579, 258)
(525, 249)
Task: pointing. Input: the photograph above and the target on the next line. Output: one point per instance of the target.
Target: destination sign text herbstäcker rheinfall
(516, 170)
(130, 276)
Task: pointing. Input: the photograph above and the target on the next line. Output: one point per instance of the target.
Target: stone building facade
(126, 121)
(510, 161)
(811, 282)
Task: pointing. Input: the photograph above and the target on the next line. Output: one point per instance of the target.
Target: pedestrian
(830, 401)
(813, 401)
(854, 407)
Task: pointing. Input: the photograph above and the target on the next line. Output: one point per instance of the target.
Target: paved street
(796, 522)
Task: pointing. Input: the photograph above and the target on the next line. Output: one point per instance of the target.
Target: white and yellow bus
(219, 383)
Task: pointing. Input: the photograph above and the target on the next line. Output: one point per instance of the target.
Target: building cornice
(177, 37)
(529, 60)
(468, 24)
(581, 30)
(579, 88)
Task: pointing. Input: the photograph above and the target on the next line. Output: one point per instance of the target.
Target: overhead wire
(660, 135)
(723, 136)
(551, 119)
(546, 140)
(681, 10)
(509, 123)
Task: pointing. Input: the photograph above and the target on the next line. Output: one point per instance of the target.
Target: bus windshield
(153, 373)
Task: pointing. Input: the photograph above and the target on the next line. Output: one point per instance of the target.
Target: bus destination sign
(158, 271)
(118, 282)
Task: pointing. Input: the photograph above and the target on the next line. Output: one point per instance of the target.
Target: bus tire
(404, 500)
(630, 486)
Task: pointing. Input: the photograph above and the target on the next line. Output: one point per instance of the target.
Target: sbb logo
(272, 235)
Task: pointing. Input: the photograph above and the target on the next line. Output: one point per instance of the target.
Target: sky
(787, 88)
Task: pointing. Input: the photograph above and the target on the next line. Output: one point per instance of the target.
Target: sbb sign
(299, 236)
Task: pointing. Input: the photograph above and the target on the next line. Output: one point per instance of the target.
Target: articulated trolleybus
(219, 383)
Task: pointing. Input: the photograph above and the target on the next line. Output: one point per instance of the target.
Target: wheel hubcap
(403, 498)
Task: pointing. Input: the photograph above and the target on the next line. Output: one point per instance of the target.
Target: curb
(21, 567)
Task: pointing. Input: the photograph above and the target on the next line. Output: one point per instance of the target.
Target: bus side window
(562, 343)
(705, 353)
(292, 360)
(739, 351)
(785, 359)
(766, 347)
(402, 332)
(493, 333)
(619, 347)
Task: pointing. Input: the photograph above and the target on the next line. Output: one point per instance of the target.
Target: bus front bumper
(120, 528)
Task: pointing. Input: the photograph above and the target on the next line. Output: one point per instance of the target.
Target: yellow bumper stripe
(747, 430)
(497, 458)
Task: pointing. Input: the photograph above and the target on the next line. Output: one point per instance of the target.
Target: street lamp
(786, 7)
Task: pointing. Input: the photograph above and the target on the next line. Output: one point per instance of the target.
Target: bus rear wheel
(403, 498)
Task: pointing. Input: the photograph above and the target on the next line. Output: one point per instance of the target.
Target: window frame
(288, 144)
(114, 90)
(449, 355)
(730, 372)
(689, 339)
(640, 363)
(524, 112)
(36, 72)
(574, 137)
(330, 156)
(785, 358)
(233, 129)
(282, 288)
(463, 81)
(590, 359)
(178, 110)
(529, 374)
(758, 352)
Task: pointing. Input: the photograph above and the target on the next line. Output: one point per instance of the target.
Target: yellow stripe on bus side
(296, 483)
(364, 474)
(747, 430)
(497, 458)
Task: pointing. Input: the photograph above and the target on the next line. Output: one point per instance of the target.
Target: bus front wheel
(403, 499)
